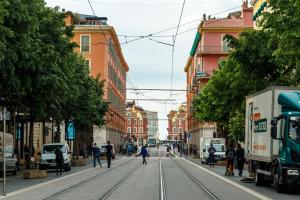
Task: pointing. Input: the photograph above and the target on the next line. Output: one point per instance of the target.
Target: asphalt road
(128, 179)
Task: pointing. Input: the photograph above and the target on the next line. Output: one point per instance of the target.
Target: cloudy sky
(150, 61)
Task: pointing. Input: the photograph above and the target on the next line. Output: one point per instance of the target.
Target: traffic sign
(6, 116)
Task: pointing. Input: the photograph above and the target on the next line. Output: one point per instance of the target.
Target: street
(162, 178)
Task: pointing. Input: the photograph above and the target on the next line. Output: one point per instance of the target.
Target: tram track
(196, 181)
(110, 191)
(69, 189)
(162, 187)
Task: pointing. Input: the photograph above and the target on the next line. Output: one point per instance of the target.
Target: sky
(150, 62)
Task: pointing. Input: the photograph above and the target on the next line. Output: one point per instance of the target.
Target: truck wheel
(259, 179)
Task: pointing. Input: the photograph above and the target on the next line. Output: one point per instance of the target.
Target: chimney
(247, 14)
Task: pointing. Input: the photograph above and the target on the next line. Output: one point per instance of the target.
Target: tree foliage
(40, 72)
(258, 59)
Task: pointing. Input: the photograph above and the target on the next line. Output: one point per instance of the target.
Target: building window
(85, 43)
(179, 122)
(128, 130)
(134, 130)
(224, 44)
(180, 130)
(174, 130)
(141, 130)
(128, 121)
(128, 114)
(141, 122)
(135, 122)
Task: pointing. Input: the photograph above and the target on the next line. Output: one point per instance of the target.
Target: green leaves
(259, 58)
(40, 72)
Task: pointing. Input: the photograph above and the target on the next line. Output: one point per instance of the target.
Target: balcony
(202, 75)
(213, 50)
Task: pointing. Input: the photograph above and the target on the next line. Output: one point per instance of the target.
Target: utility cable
(175, 27)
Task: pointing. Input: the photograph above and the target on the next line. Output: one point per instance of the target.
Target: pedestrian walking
(194, 149)
(240, 158)
(144, 153)
(130, 149)
(59, 160)
(96, 154)
(109, 149)
(230, 154)
(211, 157)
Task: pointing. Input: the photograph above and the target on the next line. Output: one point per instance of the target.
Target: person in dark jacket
(96, 154)
(211, 153)
(144, 153)
(59, 159)
(109, 149)
(230, 154)
(240, 158)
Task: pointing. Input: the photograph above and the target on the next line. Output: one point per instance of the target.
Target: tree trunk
(57, 131)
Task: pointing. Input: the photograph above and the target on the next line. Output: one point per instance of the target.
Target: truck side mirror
(274, 122)
(204, 150)
(274, 132)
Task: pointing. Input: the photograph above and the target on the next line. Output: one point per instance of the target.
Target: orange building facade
(98, 44)
(137, 123)
(209, 48)
(177, 123)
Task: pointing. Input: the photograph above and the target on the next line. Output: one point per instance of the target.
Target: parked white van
(47, 160)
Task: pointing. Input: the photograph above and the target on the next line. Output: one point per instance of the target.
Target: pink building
(207, 50)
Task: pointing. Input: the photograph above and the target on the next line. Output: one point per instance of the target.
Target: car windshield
(218, 147)
(52, 148)
(294, 128)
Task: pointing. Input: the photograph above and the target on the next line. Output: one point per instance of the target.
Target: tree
(250, 67)
(282, 25)
(41, 72)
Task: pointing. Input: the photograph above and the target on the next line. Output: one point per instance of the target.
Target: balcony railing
(213, 50)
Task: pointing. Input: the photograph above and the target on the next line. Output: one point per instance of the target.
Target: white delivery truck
(218, 144)
(10, 159)
(272, 136)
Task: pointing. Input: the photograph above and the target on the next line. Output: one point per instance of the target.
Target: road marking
(52, 181)
(252, 192)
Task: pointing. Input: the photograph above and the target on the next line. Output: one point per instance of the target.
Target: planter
(79, 162)
(35, 174)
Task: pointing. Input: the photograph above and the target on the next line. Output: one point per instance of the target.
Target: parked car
(10, 158)
(103, 150)
(47, 160)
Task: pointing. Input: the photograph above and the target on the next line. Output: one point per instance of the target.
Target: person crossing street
(144, 153)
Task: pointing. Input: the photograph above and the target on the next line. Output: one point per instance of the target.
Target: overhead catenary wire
(173, 47)
(99, 24)
(175, 27)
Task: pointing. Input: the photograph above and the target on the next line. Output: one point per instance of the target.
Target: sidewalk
(14, 183)
(218, 169)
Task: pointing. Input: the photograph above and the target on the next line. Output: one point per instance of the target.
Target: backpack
(230, 155)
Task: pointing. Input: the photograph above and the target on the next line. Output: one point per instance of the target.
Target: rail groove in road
(118, 184)
(55, 195)
(196, 181)
(162, 187)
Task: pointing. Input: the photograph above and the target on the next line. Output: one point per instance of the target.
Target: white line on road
(51, 181)
(252, 192)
